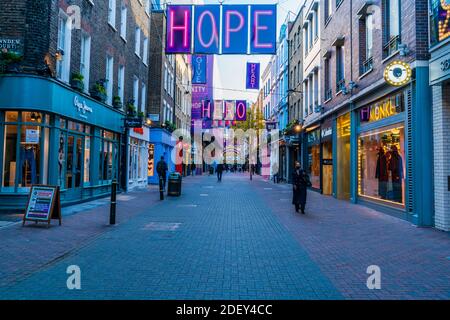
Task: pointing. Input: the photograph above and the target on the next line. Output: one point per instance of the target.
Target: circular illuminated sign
(398, 73)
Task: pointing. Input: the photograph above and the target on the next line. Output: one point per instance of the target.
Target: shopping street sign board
(221, 29)
(44, 204)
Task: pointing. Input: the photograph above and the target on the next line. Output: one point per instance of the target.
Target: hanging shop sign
(253, 73)
(133, 122)
(199, 69)
(44, 204)
(398, 73)
(221, 29)
(271, 125)
(382, 109)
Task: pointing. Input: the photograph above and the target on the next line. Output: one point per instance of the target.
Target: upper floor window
(327, 78)
(112, 13)
(109, 78)
(121, 82)
(85, 60)
(64, 45)
(340, 68)
(136, 91)
(145, 51)
(391, 15)
(328, 10)
(123, 22)
(137, 41)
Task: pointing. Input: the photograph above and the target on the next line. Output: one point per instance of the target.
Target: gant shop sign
(383, 109)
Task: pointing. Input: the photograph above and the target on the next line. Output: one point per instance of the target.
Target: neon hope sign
(221, 29)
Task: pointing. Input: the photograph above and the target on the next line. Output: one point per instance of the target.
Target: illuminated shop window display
(439, 20)
(381, 165)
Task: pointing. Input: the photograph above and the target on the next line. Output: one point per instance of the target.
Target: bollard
(112, 211)
(161, 188)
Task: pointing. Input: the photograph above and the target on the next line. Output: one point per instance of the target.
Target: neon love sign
(221, 29)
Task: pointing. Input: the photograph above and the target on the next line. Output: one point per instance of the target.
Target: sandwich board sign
(44, 204)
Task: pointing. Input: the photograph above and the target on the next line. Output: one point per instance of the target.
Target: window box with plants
(117, 102)
(131, 109)
(77, 81)
(98, 91)
(10, 61)
(169, 126)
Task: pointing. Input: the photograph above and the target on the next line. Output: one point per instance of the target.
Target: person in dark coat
(161, 169)
(219, 171)
(300, 182)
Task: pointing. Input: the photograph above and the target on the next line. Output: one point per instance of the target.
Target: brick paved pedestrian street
(238, 239)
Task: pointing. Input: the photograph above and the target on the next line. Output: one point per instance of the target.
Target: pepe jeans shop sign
(82, 107)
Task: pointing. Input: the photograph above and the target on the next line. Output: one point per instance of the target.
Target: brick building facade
(364, 122)
(78, 66)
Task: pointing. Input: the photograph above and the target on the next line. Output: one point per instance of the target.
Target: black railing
(328, 94)
(340, 85)
(367, 65)
(391, 46)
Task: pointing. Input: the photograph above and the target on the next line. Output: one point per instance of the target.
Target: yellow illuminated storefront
(381, 152)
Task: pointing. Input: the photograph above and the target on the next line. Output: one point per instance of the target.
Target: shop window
(30, 151)
(87, 161)
(343, 157)
(10, 158)
(61, 158)
(108, 157)
(151, 160)
(381, 162)
(314, 165)
(12, 116)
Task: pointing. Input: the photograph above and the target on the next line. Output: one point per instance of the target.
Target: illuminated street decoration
(398, 73)
(221, 29)
(207, 23)
(225, 111)
(253, 73)
(444, 19)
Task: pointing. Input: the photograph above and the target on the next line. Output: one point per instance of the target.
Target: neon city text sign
(221, 29)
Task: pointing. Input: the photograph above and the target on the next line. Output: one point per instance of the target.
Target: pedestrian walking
(300, 182)
(161, 170)
(219, 171)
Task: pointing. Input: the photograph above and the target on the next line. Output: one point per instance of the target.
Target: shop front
(138, 157)
(326, 136)
(50, 134)
(343, 157)
(161, 145)
(382, 147)
(313, 157)
(440, 83)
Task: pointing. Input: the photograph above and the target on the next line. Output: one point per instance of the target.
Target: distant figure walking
(300, 182)
(219, 171)
(161, 169)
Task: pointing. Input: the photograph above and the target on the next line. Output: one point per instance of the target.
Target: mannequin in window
(396, 168)
(382, 173)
